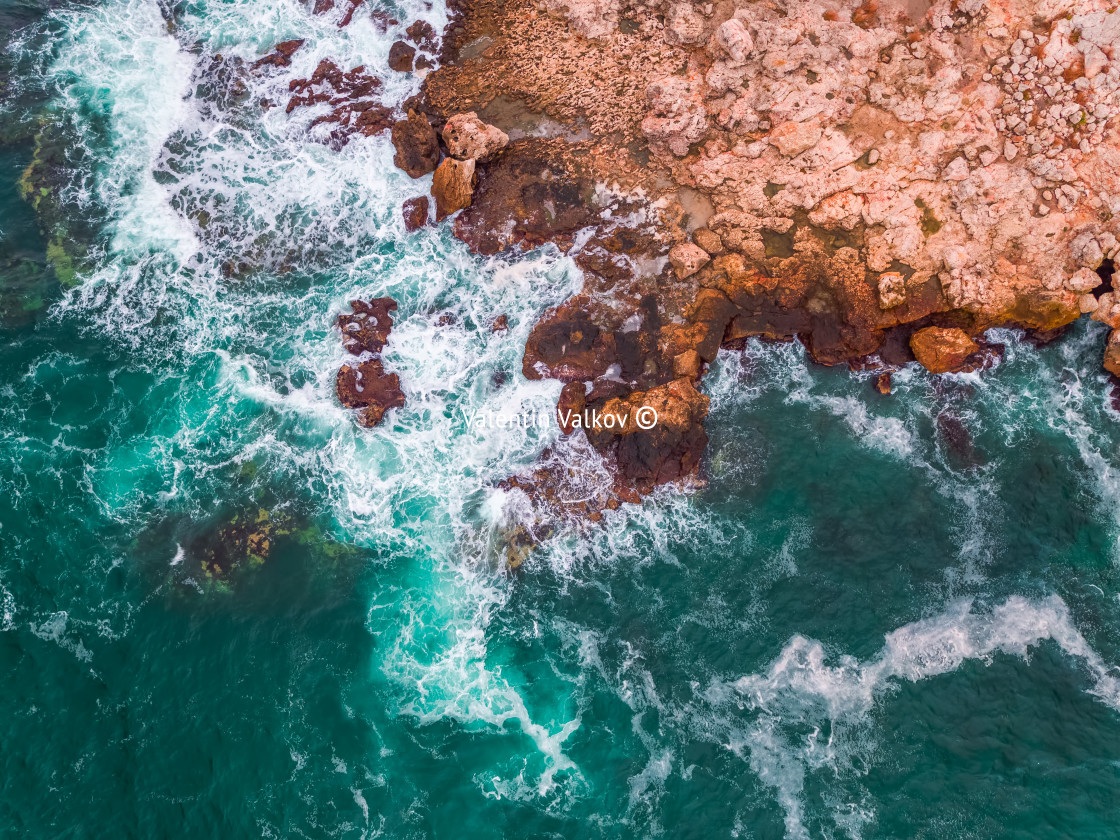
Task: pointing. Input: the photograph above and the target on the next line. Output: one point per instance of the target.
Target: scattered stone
(687, 259)
(708, 240)
(883, 383)
(501, 324)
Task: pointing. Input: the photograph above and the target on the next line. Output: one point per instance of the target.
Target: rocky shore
(884, 181)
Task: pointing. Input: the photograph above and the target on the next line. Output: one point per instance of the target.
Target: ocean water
(882, 618)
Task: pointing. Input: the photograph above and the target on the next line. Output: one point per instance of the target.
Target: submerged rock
(401, 56)
(415, 211)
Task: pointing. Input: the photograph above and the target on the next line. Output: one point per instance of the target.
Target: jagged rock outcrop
(365, 385)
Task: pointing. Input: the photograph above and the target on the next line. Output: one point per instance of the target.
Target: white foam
(805, 688)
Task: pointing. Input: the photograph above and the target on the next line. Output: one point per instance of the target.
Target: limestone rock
(793, 138)
(1107, 310)
(892, 290)
(417, 145)
(942, 350)
(1084, 280)
(734, 39)
(453, 186)
(683, 24)
(687, 258)
(469, 137)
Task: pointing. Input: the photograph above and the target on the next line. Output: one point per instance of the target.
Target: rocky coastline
(883, 181)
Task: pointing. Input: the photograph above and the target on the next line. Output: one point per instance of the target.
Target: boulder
(1107, 310)
(417, 145)
(467, 137)
(687, 258)
(367, 386)
(453, 186)
(401, 56)
(415, 212)
(942, 350)
(366, 328)
(734, 39)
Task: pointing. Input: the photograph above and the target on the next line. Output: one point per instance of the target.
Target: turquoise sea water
(867, 625)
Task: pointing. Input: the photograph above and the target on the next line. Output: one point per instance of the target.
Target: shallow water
(864, 626)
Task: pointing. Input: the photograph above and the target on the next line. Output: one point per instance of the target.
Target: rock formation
(879, 183)
(365, 385)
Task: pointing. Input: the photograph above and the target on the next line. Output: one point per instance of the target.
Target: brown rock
(658, 435)
(281, 55)
(573, 399)
(417, 145)
(469, 137)
(687, 364)
(350, 94)
(453, 186)
(883, 383)
(423, 34)
(531, 195)
(942, 350)
(401, 56)
(366, 328)
(501, 324)
(368, 387)
(1112, 353)
(708, 240)
(415, 212)
(566, 345)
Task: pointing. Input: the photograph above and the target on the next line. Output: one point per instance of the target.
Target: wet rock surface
(352, 97)
(365, 385)
(417, 145)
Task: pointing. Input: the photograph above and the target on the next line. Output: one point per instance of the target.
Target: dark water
(883, 617)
